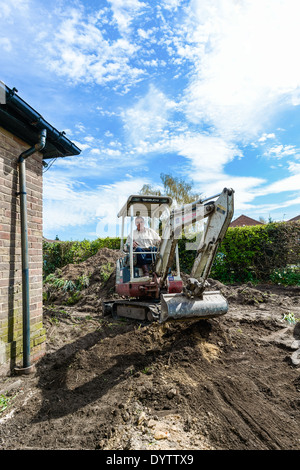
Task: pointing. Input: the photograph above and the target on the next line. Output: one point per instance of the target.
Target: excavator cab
(130, 280)
(162, 295)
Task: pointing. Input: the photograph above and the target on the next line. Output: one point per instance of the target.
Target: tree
(176, 188)
(181, 193)
(148, 190)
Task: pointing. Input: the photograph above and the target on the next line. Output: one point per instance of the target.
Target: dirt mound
(257, 295)
(93, 266)
(84, 284)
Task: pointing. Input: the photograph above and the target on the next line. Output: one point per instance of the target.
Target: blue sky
(206, 90)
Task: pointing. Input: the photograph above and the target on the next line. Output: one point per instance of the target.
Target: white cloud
(290, 183)
(96, 151)
(80, 127)
(171, 4)
(145, 34)
(78, 50)
(208, 155)
(235, 86)
(8, 8)
(295, 169)
(124, 11)
(244, 56)
(89, 138)
(276, 207)
(245, 189)
(265, 136)
(81, 145)
(151, 128)
(280, 151)
(238, 62)
(146, 120)
(70, 203)
(5, 44)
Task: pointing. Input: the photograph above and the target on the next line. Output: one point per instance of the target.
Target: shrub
(289, 276)
(254, 253)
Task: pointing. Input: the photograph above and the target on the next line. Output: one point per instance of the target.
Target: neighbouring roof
(295, 219)
(243, 221)
(47, 240)
(23, 121)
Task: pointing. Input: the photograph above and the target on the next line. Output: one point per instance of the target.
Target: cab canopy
(145, 206)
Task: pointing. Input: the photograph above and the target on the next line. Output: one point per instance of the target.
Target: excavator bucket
(179, 307)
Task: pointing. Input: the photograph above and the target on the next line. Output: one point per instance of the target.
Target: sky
(205, 90)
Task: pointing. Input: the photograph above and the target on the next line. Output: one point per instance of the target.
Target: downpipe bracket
(25, 370)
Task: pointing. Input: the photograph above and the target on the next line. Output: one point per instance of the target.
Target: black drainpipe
(27, 367)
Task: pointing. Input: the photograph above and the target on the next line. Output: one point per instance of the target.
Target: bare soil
(231, 383)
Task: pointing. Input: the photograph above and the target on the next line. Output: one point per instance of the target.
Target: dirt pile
(115, 384)
(84, 284)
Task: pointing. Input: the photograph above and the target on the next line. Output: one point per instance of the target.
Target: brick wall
(11, 334)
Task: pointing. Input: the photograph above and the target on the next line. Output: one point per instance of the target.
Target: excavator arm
(194, 301)
(216, 228)
(178, 220)
(219, 214)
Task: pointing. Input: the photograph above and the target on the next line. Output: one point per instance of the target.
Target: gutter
(35, 120)
(27, 367)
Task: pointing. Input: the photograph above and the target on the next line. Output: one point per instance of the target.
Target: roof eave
(24, 122)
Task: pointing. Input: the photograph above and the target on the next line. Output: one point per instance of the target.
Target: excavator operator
(145, 239)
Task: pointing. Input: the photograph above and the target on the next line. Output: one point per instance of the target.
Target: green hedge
(258, 253)
(246, 253)
(253, 253)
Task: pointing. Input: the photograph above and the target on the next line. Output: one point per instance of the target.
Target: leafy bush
(290, 318)
(289, 276)
(105, 271)
(5, 402)
(254, 253)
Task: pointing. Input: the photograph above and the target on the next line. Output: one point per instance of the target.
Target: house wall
(11, 333)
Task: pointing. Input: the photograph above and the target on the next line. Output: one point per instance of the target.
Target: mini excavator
(162, 296)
